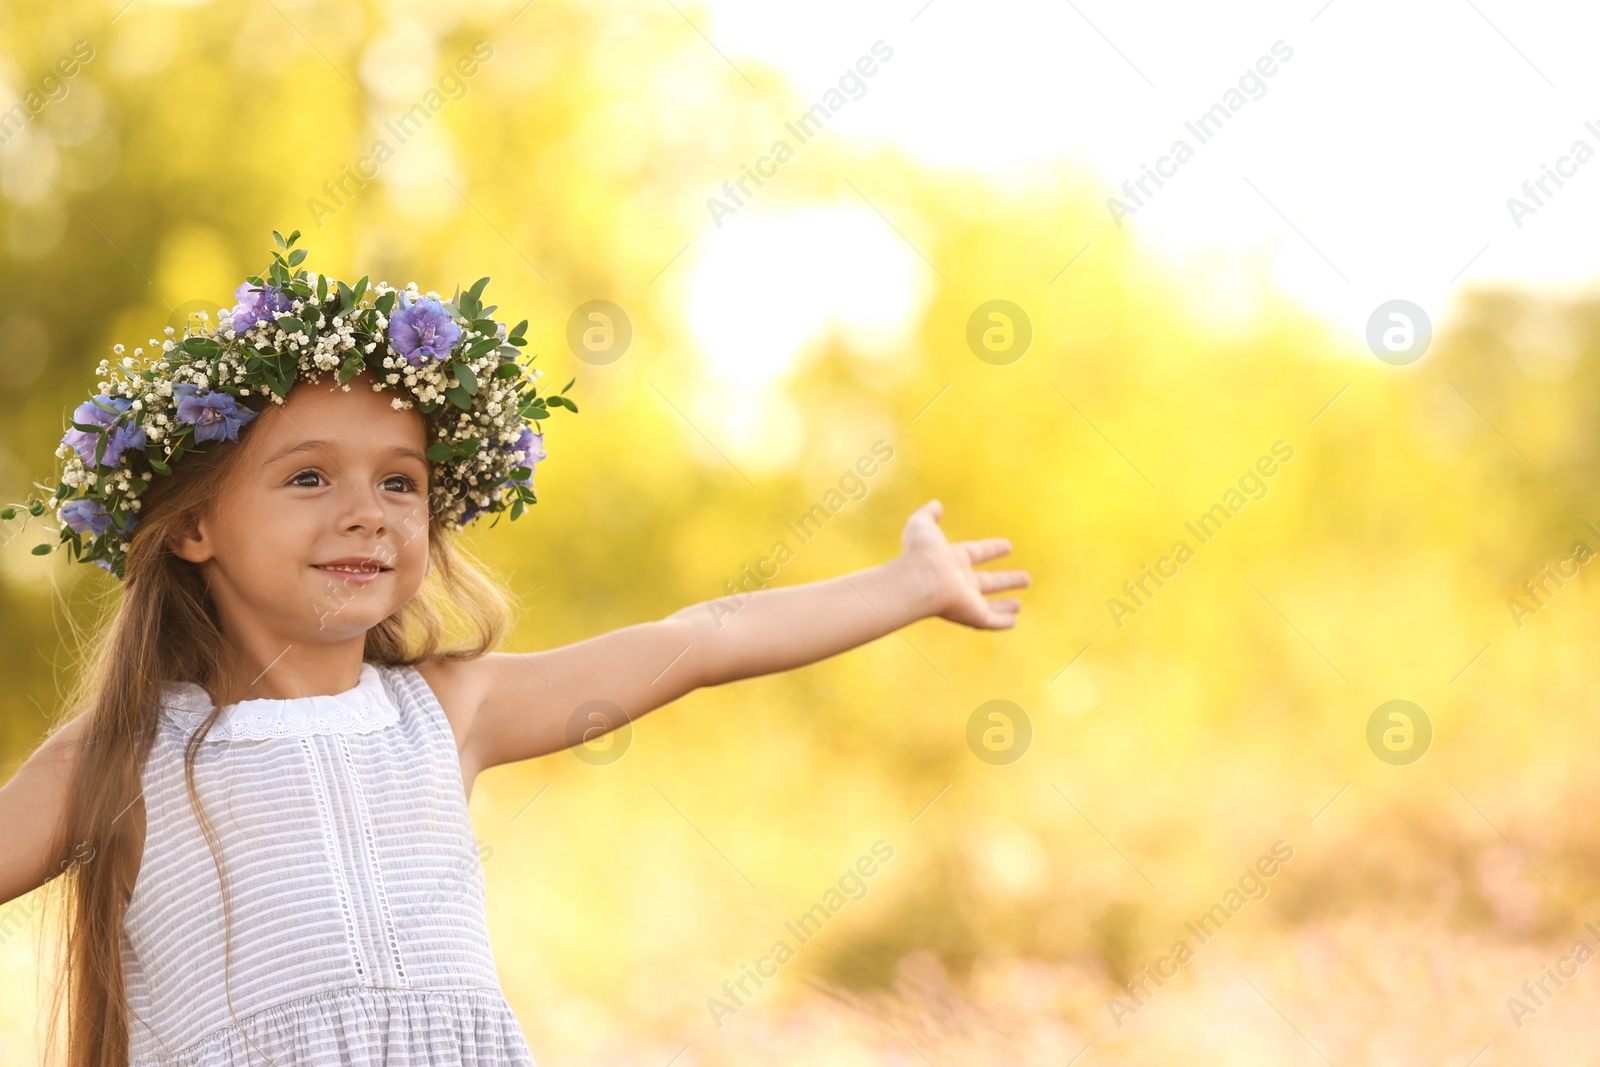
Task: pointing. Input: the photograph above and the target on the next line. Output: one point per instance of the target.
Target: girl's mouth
(360, 572)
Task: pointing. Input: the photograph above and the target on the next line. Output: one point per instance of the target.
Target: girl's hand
(957, 591)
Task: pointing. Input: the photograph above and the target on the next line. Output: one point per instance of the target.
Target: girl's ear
(189, 541)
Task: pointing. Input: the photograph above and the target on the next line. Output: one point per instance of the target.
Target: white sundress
(359, 936)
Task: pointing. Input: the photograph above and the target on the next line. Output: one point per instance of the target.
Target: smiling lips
(361, 569)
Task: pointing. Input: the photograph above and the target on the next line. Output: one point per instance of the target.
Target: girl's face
(327, 479)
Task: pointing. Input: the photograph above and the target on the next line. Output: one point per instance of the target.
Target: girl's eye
(398, 482)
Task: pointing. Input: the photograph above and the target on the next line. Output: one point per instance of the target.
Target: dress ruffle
(368, 1025)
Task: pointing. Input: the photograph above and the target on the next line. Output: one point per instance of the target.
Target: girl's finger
(986, 549)
(993, 581)
(1005, 615)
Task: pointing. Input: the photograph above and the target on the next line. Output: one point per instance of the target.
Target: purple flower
(531, 445)
(215, 416)
(422, 330)
(257, 305)
(122, 437)
(85, 516)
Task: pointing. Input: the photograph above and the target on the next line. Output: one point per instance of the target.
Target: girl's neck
(290, 677)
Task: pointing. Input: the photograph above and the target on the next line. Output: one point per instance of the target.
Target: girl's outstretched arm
(507, 707)
(790, 626)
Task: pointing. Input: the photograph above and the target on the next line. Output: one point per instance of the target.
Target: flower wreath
(452, 357)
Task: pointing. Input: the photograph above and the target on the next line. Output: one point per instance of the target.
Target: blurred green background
(1228, 714)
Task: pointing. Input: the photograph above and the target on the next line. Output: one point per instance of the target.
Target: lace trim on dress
(372, 860)
(335, 865)
(360, 710)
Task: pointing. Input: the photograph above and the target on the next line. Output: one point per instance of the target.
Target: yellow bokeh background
(1170, 747)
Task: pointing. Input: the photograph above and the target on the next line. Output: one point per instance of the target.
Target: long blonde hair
(163, 626)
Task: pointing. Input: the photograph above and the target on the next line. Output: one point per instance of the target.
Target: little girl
(261, 803)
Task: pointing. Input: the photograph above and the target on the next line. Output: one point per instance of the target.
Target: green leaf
(459, 397)
(467, 447)
(517, 330)
(469, 380)
(290, 324)
(507, 370)
(8, 514)
(487, 327)
(158, 466)
(516, 510)
(385, 302)
(561, 402)
(477, 288)
(43, 550)
(352, 366)
(518, 473)
(278, 237)
(297, 257)
(347, 297)
(322, 288)
(36, 508)
(440, 452)
(564, 388)
(361, 287)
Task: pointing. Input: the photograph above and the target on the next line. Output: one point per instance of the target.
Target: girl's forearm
(790, 626)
